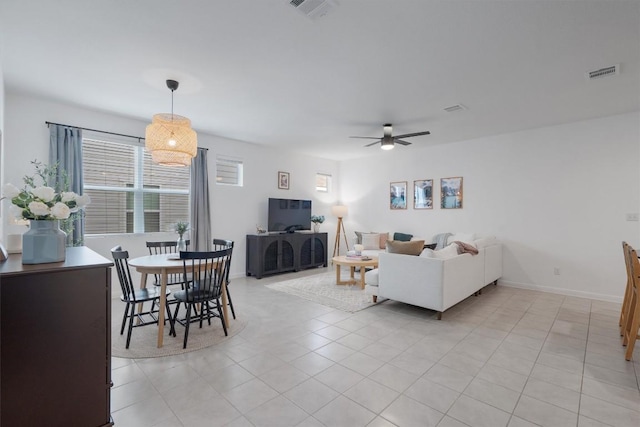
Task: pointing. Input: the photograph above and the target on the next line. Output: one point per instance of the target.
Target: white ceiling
(261, 71)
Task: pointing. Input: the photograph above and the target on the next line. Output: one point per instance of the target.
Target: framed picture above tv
(283, 180)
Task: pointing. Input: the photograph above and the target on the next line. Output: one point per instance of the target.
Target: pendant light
(169, 138)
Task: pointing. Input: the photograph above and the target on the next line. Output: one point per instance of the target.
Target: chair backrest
(120, 259)
(220, 244)
(208, 271)
(166, 247)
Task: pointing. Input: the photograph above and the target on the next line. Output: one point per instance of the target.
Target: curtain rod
(139, 138)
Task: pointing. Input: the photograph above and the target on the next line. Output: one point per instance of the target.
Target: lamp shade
(170, 140)
(339, 210)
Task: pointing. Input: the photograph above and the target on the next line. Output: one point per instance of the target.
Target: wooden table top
(345, 260)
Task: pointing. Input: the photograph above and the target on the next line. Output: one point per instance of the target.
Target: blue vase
(44, 242)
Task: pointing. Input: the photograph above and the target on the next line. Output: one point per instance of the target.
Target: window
(129, 193)
(323, 182)
(228, 171)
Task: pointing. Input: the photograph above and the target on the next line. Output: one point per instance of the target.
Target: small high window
(323, 182)
(228, 170)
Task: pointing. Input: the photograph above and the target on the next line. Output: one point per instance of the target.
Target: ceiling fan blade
(401, 142)
(409, 135)
(364, 137)
(373, 143)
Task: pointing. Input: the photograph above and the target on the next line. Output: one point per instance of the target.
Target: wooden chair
(132, 297)
(632, 322)
(209, 272)
(220, 244)
(627, 292)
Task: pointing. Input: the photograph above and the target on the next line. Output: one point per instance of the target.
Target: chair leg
(208, 313)
(631, 334)
(172, 331)
(186, 326)
(124, 318)
(233, 312)
(224, 325)
(131, 316)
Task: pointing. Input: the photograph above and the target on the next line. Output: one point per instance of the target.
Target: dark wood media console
(279, 253)
(55, 328)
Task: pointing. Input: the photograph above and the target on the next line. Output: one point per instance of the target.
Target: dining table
(163, 265)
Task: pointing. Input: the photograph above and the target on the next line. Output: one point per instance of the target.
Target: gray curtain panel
(65, 148)
(200, 211)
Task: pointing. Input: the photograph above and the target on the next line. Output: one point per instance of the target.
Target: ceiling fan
(388, 140)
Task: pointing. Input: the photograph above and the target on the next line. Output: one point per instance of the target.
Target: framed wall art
(283, 180)
(423, 194)
(451, 195)
(398, 195)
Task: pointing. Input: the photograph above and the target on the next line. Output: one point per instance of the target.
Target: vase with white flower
(181, 228)
(44, 207)
(317, 220)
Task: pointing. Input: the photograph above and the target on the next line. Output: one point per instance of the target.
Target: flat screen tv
(289, 215)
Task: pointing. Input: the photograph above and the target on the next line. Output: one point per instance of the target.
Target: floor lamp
(340, 211)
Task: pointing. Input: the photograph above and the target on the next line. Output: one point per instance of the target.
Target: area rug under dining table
(144, 339)
(322, 289)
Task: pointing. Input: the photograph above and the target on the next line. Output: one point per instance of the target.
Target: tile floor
(509, 357)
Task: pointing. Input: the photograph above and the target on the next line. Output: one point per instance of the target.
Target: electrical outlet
(633, 217)
(556, 271)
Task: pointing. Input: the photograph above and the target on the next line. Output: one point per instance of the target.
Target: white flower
(15, 211)
(60, 211)
(68, 196)
(46, 194)
(10, 191)
(83, 200)
(39, 209)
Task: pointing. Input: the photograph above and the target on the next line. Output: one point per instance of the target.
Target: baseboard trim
(561, 291)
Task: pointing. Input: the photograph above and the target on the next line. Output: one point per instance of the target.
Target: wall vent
(313, 9)
(455, 108)
(603, 72)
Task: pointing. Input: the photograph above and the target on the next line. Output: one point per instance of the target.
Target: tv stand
(284, 252)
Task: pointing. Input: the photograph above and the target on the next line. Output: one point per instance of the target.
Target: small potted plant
(181, 228)
(317, 220)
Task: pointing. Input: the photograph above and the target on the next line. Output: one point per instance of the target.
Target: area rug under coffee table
(322, 289)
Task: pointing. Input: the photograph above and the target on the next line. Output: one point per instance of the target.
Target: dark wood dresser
(55, 341)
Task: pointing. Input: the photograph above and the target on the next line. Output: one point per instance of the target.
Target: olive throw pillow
(406, 248)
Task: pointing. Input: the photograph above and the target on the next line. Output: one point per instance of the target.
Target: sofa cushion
(371, 241)
(448, 252)
(383, 240)
(427, 253)
(402, 237)
(484, 242)
(406, 248)
(371, 277)
(462, 237)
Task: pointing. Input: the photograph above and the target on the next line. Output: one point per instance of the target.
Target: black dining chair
(208, 271)
(166, 247)
(219, 244)
(132, 297)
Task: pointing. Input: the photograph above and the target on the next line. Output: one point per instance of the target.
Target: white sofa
(435, 283)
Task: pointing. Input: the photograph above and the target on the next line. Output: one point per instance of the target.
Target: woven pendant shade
(170, 140)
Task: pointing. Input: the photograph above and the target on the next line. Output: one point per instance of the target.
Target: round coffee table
(353, 263)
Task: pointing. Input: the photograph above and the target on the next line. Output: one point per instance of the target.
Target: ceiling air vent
(603, 72)
(313, 9)
(455, 108)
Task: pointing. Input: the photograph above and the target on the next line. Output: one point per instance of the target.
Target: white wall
(557, 197)
(236, 210)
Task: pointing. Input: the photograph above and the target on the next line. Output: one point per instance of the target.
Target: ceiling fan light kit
(169, 138)
(388, 141)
